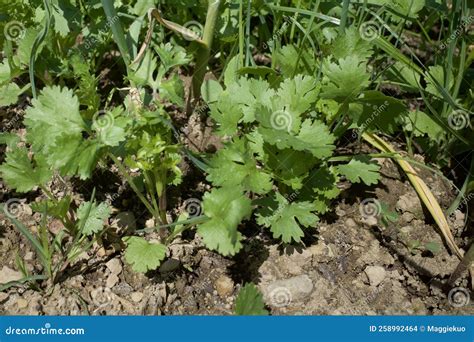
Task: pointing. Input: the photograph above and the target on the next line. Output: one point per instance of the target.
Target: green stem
(117, 30)
(176, 232)
(204, 51)
(151, 190)
(130, 181)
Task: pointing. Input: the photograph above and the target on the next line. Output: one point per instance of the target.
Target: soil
(349, 264)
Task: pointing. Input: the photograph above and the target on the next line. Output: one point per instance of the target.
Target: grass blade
(422, 190)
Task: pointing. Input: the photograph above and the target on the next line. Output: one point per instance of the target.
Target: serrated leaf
(295, 96)
(144, 256)
(227, 115)
(55, 129)
(9, 94)
(373, 109)
(9, 139)
(21, 174)
(74, 157)
(225, 208)
(57, 209)
(287, 58)
(361, 169)
(284, 218)
(345, 79)
(250, 302)
(94, 222)
(313, 137)
(233, 166)
(289, 166)
(60, 23)
(324, 182)
(110, 126)
(49, 118)
(350, 43)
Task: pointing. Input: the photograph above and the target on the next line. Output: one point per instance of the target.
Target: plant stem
(186, 225)
(130, 181)
(151, 190)
(117, 30)
(204, 51)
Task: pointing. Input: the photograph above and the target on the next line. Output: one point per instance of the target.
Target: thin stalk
(204, 51)
(241, 34)
(150, 184)
(130, 181)
(247, 33)
(160, 181)
(345, 10)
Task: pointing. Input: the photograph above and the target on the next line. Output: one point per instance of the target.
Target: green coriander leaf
(110, 126)
(9, 139)
(361, 169)
(94, 223)
(250, 302)
(313, 137)
(57, 209)
(233, 166)
(74, 157)
(20, 173)
(143, 255)
(250, 95)
(287, 58)
(226, 208)
(373, 109)
(289, 166)
(172, 55)
(284, 218)
(226, 114)
(324, 182)
(9, 94)
(54, 113)
(345, 79)
(350, 43)
(60, 23)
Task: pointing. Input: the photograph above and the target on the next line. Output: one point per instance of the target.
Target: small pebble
(137, 297)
